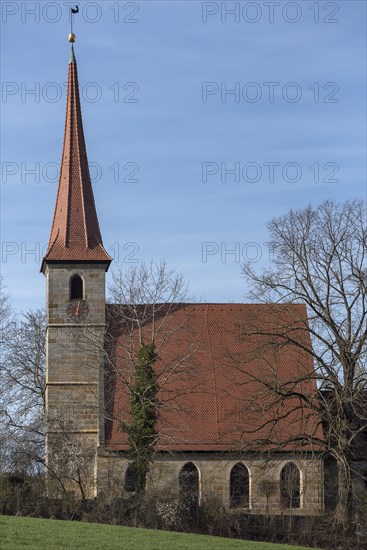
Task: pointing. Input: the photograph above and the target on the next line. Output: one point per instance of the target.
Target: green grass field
(39, 534)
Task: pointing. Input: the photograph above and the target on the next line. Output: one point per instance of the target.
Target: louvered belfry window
(76, 288)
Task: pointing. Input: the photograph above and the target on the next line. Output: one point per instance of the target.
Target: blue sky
(164, 131)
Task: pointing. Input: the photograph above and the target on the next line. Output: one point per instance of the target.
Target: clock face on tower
(77, 310)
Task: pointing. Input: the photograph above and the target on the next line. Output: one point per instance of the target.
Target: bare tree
(70, 474)
(23, 391)
(5, 311)
(5, 322)
(22, 432)
(142, 319)
(319, 259)
(149, 292)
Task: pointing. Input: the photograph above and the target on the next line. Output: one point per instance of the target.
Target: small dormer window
(76, 288)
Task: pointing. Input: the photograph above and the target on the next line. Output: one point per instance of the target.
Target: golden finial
(72, 37)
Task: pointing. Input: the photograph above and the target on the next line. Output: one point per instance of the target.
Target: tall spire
(75, 234)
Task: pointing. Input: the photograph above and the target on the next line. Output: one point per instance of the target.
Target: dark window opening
(189, 484)
(239, 487)
(290, 486)
(131, 480)
(76, 288)
(330, 484)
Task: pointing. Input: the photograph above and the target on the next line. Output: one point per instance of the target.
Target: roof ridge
(254, 304)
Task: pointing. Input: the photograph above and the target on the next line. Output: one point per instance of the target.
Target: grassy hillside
(46, 534)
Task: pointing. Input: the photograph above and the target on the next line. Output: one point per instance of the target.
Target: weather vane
(73, 11)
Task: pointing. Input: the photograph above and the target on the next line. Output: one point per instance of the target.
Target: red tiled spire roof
(75, 234)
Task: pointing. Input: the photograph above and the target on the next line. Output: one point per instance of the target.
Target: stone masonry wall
(74, 392)
(214, 475)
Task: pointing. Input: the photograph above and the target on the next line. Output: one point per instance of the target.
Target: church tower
(75, 265)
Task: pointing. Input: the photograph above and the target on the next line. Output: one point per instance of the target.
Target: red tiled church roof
(75, 234)
(212, 371)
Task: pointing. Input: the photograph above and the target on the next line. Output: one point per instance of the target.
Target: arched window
(290, 486)
(131, 480)
(239, 487)
(76, 288)
(189, 484)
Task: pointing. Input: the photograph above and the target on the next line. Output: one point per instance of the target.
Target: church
(222, 430)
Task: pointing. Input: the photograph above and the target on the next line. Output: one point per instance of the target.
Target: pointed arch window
(189, 484)
(76, 288)
(290, 486)
(131, 480)
(239, 487)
